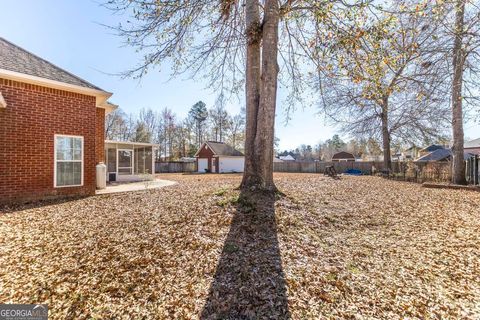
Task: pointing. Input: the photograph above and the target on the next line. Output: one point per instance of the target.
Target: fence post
(476, 171)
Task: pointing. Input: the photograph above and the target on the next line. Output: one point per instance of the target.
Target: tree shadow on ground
(249, 282)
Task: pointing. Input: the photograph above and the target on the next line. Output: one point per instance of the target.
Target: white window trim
(55, 160)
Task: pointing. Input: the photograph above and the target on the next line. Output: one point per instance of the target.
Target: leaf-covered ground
(358, 247)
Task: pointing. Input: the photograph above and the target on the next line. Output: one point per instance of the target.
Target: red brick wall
(33, 116)
(206, 153)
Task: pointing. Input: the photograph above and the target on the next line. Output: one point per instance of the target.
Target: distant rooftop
(343, 155)
(287, 158)
(222, 149)
(475, 143)
(433, 147)
(16, 59)
(441, 155)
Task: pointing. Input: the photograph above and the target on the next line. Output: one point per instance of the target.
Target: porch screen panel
(112, 160)
(125, 161)
(148, 160)
(141, 161)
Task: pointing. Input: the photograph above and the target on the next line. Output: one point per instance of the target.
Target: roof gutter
(100, 95)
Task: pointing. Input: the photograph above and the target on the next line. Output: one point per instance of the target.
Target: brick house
(51, 128)
(218, 157)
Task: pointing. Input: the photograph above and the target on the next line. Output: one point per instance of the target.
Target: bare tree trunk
(458, 169)
(220, 132)
(252, 90)
(387, 157)
(264, 139)
(261, 96)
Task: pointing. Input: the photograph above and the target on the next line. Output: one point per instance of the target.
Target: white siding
(231, 164)
(202, 164)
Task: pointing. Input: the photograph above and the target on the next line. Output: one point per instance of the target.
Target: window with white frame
(68, 161)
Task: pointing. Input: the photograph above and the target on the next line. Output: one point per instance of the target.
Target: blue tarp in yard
(354, 172)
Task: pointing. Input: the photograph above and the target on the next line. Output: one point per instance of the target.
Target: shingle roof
(472, 143)
(343, 155)
(432, 148)
(222, 149)
(14, 58)
(288, 157)
(441, 155)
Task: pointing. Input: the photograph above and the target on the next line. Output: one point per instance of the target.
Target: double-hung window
(68, 161)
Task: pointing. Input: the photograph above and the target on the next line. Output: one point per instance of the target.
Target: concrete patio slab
(136, 186)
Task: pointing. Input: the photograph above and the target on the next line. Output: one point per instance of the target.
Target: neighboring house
(429, 149)
(275, 159)
(343, 156)
(219, 157)
(411, 153)
(472, 146)
(287, 158)
(51, 128)
(397, 156)
(441, 155)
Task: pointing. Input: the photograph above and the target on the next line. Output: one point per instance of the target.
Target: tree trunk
(458, 165)
(387, 157)
(264, 140)
(261, 90)
(252, 90)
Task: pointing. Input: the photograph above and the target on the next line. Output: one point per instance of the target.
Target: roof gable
(220, 149)
(16, 59)
(343, 155)
(288, 157)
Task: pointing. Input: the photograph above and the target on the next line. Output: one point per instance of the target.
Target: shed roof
(221, 149)
(343, 155)
(17, 59)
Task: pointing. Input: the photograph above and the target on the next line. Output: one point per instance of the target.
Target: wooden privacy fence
(319, 167)
(174, 166)
(408, 171)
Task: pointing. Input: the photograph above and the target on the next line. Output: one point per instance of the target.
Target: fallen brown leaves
(359, 247)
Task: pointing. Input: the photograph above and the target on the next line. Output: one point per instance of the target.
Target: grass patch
(232, 200)
(220, 192)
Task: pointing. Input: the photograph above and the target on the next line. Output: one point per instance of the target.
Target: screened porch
(129, 161)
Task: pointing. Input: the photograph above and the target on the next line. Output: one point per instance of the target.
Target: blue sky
(68, 33)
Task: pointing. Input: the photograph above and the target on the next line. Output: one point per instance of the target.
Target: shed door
(202, 165)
